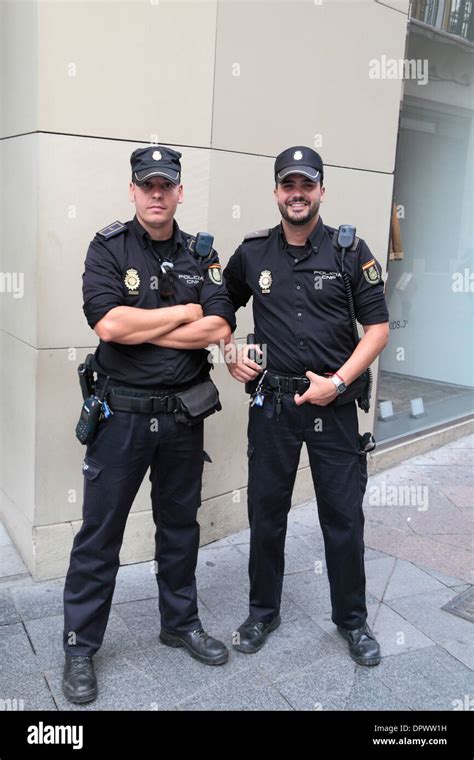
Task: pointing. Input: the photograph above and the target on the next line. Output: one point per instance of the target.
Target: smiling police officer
(156, 299)
(293, 274)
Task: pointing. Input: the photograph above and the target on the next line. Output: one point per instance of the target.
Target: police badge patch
(215, 273)
(371, 273)
(132, 281)
(265, 281)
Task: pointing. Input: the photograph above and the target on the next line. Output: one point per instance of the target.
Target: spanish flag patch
(371, 272)
(215, 273)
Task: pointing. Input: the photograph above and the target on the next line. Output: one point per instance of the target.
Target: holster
(356, 391)
(197, 403)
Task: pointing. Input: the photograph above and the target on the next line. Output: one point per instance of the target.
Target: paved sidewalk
(419, 531)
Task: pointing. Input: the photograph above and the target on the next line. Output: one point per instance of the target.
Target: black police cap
(299, 160)
(155, 161)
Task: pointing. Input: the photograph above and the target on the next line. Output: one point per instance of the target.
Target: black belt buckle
(273, 381)
(169, 403)
(302, 385)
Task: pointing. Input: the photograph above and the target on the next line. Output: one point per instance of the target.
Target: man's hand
(321, 391)
(238, 363)
(192, 312)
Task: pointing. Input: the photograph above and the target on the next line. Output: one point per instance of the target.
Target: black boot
(199, 644)
(252, 634)
(79, 681)
(363, 646)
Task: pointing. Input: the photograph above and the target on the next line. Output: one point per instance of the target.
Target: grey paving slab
(142, 620)
(304, 519)
(243, 549)
(225, 566)
(466, 442)
(395, 634)
(459, 495)
(16, 581)
(407, 580)
(184, 678)
(428, 679)
(424, 612)
(446, 455)
(378, 573)
(217, 544)
(315, 541)
(16, 653)
(135, 582)
(391, 517)
(446, 580)
(232, 607)
(39, 599)
(324, 686)
(20, 691)
(8, 612)
(439, 520)
(233, 683)
(46, 635)
(371, 554)
(11, 562)
(462, 651)
(368, 692)
(125, 683)
(241, 537)
(310, 591)
(252, 699)
(300, 555)
(293, 647)
(445, 475)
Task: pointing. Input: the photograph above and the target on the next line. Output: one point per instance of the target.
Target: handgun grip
(251, 341)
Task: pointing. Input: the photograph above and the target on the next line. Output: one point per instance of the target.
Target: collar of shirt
(313, 242)
(145, 239)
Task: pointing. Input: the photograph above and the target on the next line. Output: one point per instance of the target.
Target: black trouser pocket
(92, 489)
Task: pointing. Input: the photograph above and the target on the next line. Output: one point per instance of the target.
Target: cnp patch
(215, 273)
(132, 281)
(371, 273)
(265, 281)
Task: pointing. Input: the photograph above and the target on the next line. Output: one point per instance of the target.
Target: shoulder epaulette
(116, 228)
(258, 234)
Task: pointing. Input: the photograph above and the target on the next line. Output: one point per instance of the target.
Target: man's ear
(180, 194)
(131, 192)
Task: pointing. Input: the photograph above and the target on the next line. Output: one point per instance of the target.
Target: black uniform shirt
(300, 305)
(123, 269)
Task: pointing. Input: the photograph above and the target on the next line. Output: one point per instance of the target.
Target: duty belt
(128, 399)
(285, 383)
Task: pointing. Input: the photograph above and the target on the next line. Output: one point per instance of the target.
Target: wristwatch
(339, 383)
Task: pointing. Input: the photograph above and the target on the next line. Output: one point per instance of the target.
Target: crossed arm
(182, 327)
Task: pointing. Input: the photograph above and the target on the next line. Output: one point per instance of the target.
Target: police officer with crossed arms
(155, 300)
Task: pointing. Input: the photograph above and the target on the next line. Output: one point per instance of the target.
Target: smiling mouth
(299, 206)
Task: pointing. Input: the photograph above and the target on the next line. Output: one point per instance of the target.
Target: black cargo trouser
(339, 472)
(116, 461)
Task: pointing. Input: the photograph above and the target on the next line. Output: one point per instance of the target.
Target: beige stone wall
(229, 84)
